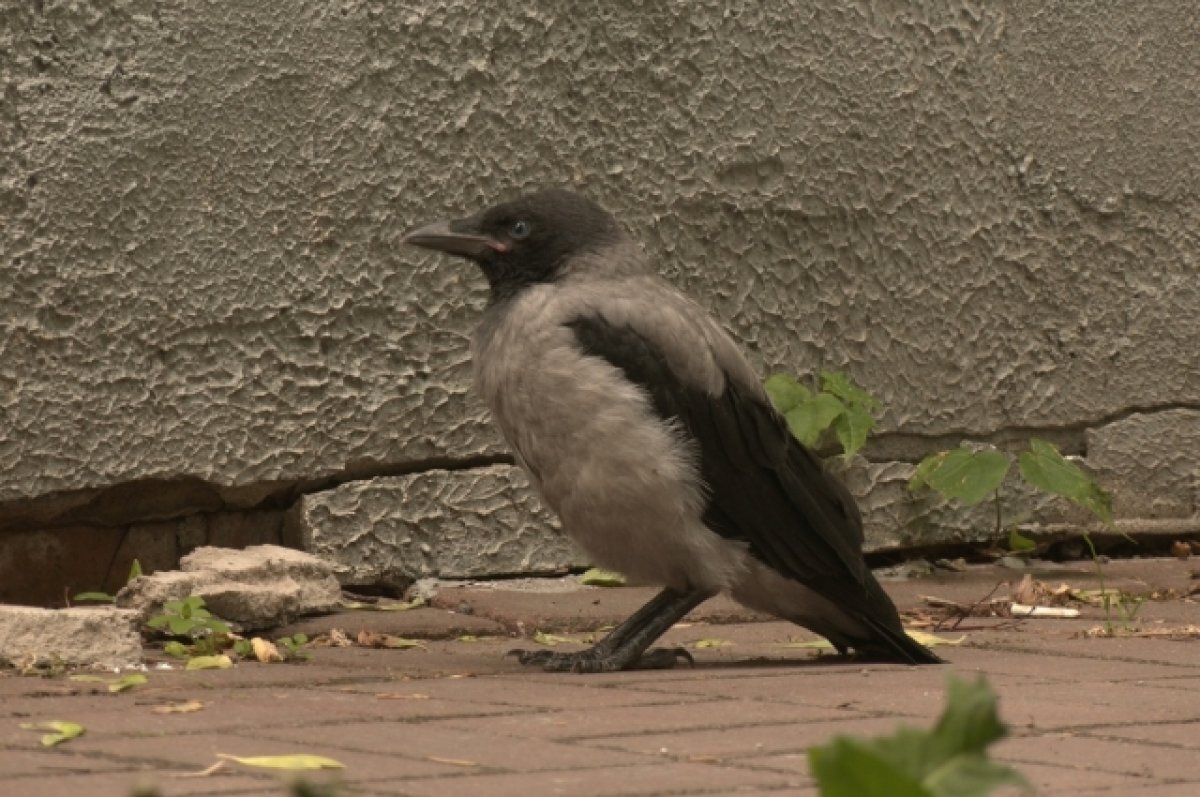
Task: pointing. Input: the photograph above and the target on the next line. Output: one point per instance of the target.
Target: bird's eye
(519, 230)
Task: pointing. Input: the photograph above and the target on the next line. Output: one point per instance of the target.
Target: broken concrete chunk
(451, 524)
(102, 636)
(263, 586)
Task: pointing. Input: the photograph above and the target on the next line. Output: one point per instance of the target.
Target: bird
(644, 427)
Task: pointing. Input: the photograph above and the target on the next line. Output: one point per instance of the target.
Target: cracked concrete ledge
(464, 524)
(386, 525)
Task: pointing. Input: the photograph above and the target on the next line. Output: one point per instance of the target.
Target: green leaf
(221, 662)
(135, 571)
(180, 626)
(839, 384)
(920, 477)
(849, 768)
(177, 649)
(970, 722)
(217, 626)
(93, 597)
(1046, 469)
(852, 428)
(947, 761)
(598, 577)
(973, 776)
(1019, 542)
(963, 474)
(115, 685)
(294, 761)
(785, 392)
(61, 731)
(809, 418)
(126, 683)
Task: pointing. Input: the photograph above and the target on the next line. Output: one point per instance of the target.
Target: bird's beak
(455, 238)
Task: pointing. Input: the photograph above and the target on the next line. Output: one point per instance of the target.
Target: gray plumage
(646, 430)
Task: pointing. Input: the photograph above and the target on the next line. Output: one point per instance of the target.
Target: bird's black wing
(764, 487)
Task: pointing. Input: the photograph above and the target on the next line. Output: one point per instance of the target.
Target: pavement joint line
(796, 780)
(239, 730)
(1073, 655)
(725, 727)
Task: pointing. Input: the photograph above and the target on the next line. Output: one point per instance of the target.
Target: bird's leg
(624, 646)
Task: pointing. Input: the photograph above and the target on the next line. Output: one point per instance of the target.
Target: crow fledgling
(645, 429)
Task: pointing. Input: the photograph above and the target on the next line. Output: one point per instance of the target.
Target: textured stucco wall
(987, 213)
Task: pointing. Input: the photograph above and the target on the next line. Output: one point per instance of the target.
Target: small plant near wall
(969, 475)
(838, 405)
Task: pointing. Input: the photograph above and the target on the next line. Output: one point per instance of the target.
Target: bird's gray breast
(621, 478)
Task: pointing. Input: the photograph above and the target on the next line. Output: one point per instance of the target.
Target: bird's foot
(592, 660)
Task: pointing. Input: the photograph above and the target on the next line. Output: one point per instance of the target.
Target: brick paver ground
(1088, 716)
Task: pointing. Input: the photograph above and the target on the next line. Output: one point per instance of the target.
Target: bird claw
(528, 657)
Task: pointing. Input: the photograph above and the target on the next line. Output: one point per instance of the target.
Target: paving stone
(167, 755)
(1053, 664)
(19, 761)
(515, 691)
(120, 784)
(442, 739)
(1171, 734)
(422, 623)
(1051, 780)
(1089, 717)
(749, 746)
(654, 778)
(586, 609)
(1073, 752)
(603, 722)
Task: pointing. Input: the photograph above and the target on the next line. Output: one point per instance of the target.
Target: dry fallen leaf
(265, 651)
(458, 762)
(370, 639)
(402, 696)
(1181, 549)
(179, 708)
(204, 773)
(701, 644)
(293, 761)
(550, 640)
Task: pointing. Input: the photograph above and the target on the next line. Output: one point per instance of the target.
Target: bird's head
(523, 242)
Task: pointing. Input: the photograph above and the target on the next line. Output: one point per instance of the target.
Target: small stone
(263, 586)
